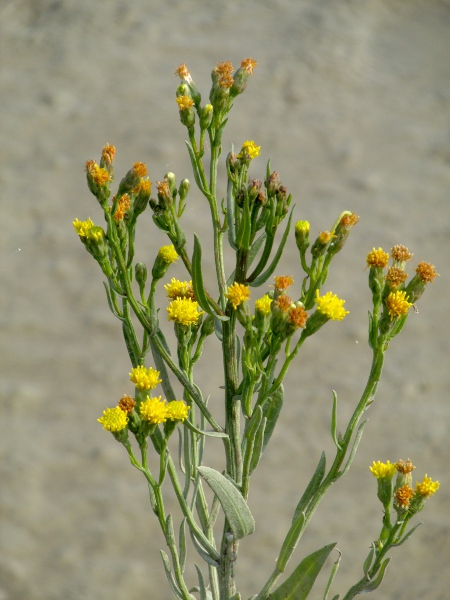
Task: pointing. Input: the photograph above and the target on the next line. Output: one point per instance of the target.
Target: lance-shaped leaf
(334, 434)
(376, 582)
(197, 281)
(273, 265)
(291, 541)
(245, 229)
(193, 428)
(197, 177)
(299, 584)
(271, 410)
(313, 486)
(170, 577)
(231, 216)
(234, 506)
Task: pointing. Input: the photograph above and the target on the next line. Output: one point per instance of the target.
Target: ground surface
(351, 101)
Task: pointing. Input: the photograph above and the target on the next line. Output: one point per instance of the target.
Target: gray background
(351, 102)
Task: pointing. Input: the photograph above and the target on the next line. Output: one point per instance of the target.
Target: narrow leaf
(299, 584)
(202, 552)
(204, 593)
(354, 447)
(183, 545)
(376, 582)
(290, 542)
(197, 281)
(313, 486)
(234, 506)
(334, 422)
(258, 447)
(271, 410)
(170, 576)
(368, 562)
(407, 536)
(231, 216)
(273, 265)
(197, 177)
(245, 230)
(334, 570)
(193, 428)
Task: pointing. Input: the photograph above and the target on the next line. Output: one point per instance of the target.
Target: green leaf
(334, 570)
(407, 536)
(313, 486)
(334, 422)
(231, 216)
(358, 437)
(258, 447)
(245, 230)
(299, 584)
(271, 410)
(197, 177)
(291, 541)
(234, 506)
(369, 560)
(193, 428)
(170, 576)
(373, 584)
(204, 593)
(197, 281)
(273, 265)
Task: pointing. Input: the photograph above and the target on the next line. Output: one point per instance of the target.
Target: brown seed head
(404, 467)
(426, 272)
(395, 277)
(401, 253)
(126, 403)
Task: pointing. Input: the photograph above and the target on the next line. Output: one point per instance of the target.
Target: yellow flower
(179, 289)
(114, 419)
(83, 227)
(263, 304)
(153, 410)
(249, 147)
(177, 410)
(99, 175)
(331, 306)
(184, 311)
(143, 378)
(302, 227)
(377, 258)
(168, 254)
(237, 294)
(185, 102)
(397, 304)
(428, 487)
(108, 153)
(383, 470)
(140, 169)
(122, 207)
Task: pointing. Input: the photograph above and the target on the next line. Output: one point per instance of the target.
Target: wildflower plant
(261, 326)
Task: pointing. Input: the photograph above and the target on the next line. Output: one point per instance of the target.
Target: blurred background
(351, 102)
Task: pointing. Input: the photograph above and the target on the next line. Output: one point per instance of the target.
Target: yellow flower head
(145, 379)
(99, 175)
(383, 470)
(263, 305)
(153, 410)
(177, 410)
(185, 102)
(179, 289)
(249, 147)
(397, 304)
(302, 227)
(428, 487)
(283, 282)
(377, 258)
(114, 419)
(168, 254)
(184, 311)
(331, 306)
(403, 495)
(140, 169)
(237, 294)
(248, 64)
(426, 272)
(83, 227)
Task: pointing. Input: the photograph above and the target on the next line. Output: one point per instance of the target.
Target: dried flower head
(185, 102)
(426, 272)
(126, 403)
(297, 316)
(395, 277)
(283, 282)
(183, 72)
(401, 253)
(249, 65)
(377, 258)
(98, 174)
(140, 169)
(403, 495)
(284, 303)
(123, 206)
(404, 467)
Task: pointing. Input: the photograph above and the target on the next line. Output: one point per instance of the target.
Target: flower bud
(302, 235)
(206, 116)
(172, 181)
(321, 244)
(132, 178)
(241, 76)
(184, 189)
(107, 159)
(164, 194)
(141, 275)
(272, 184)
(342, 231)
(165, 257)
(98, 180)
(425, 273)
